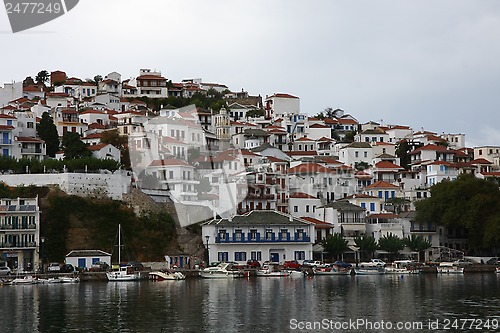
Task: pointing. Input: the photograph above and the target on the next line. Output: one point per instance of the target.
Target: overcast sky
(426, 64)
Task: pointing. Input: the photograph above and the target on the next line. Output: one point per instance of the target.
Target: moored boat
(124, 273)
(449, 268)
(270, 269)
(25, 280)
(332, 270)
(498, 269)
(222, 270)
(370, 271)
(400, 267)
(166, 275)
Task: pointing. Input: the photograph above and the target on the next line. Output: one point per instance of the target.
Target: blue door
(5, 138)
(81, 262)
(275, 257)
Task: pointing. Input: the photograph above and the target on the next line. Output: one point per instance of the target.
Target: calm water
(248, 305)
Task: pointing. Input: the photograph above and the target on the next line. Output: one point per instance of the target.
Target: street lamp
(207, 237)
(42, 239)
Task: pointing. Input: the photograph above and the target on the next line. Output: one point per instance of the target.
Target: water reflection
(236, 305)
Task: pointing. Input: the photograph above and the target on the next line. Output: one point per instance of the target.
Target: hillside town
(267, 180)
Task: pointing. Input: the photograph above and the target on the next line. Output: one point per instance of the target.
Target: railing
(17, 227)
(31, 151)
(423, 230)
(258, 239)
(17, 245)
(5, 142)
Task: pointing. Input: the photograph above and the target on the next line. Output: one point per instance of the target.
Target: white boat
(123, 273)
(400, 267)
(370, 271)
(68, 279)
(166, 275)
(498, 269)
(25, 280)
(222, 270)
(292, 273)
(270, 269)
(332, 270)
(449, 268)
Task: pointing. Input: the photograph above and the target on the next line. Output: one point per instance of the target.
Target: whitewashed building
(259, 235)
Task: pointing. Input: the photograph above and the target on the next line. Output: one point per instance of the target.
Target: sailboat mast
(119, 244)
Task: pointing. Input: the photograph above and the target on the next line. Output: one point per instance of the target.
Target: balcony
(31, 151)
(17, 227)
(273, 239)
(18, 245)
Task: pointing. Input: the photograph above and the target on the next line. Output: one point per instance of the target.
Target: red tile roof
(169, 162)
(301, 195)
(309, 168)
(318, 223)
(381, 184)
(480, 161)
(281, 95)
(387, 165)
(27, 139)
(318, 126)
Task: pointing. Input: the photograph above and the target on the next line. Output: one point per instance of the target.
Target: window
(365, 154)
(29, 124)
(253, 234)
(222, 256)
(300, 234)
(240, 256)
(238, 235)
(356, 154)
(284, 234)
(222, 234)
(300, 255)
(269, 234)
(372, 206)
(295, 209)
(307, 208)
(256, 255)
(363, 205)
(170, 175)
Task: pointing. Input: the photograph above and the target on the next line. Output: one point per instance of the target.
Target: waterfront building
(20, 233)
(86, 258)
(259, 235)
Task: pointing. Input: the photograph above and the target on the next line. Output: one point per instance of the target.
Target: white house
(105, 151)
(86, 258)
(280, 104)
(259, 235)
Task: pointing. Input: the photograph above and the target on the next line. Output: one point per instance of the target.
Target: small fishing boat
(28, 279)
(332, 270)
(370, 271)
(449, 268)
(271, 269)
(166, 275)
(222, 270)
(400, 267)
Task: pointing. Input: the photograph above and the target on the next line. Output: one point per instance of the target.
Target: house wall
(81, 184)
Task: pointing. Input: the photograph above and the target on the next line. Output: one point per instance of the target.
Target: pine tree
(47, 131)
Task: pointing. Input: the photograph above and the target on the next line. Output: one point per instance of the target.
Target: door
(275, 257)
(81, 262)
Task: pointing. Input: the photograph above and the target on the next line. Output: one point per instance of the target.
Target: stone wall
(98, 185)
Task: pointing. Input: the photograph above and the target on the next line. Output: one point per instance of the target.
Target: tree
(28, 81)
(42, 77)
(114, 138)
(74, 147)
(47, 131)
(468, 203)
(97, 80)
(417, 243)
(335, 245)
(329, 113)
(349, 136)
(204, 186)
(367, 245)
(403, 150)
(392, 244)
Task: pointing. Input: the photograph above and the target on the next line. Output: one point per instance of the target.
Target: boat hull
(332, 272)
(162, 276)
(369, 272)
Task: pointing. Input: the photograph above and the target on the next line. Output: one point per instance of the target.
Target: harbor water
(320, 303)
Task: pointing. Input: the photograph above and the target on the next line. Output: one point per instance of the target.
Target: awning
(353, 227)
